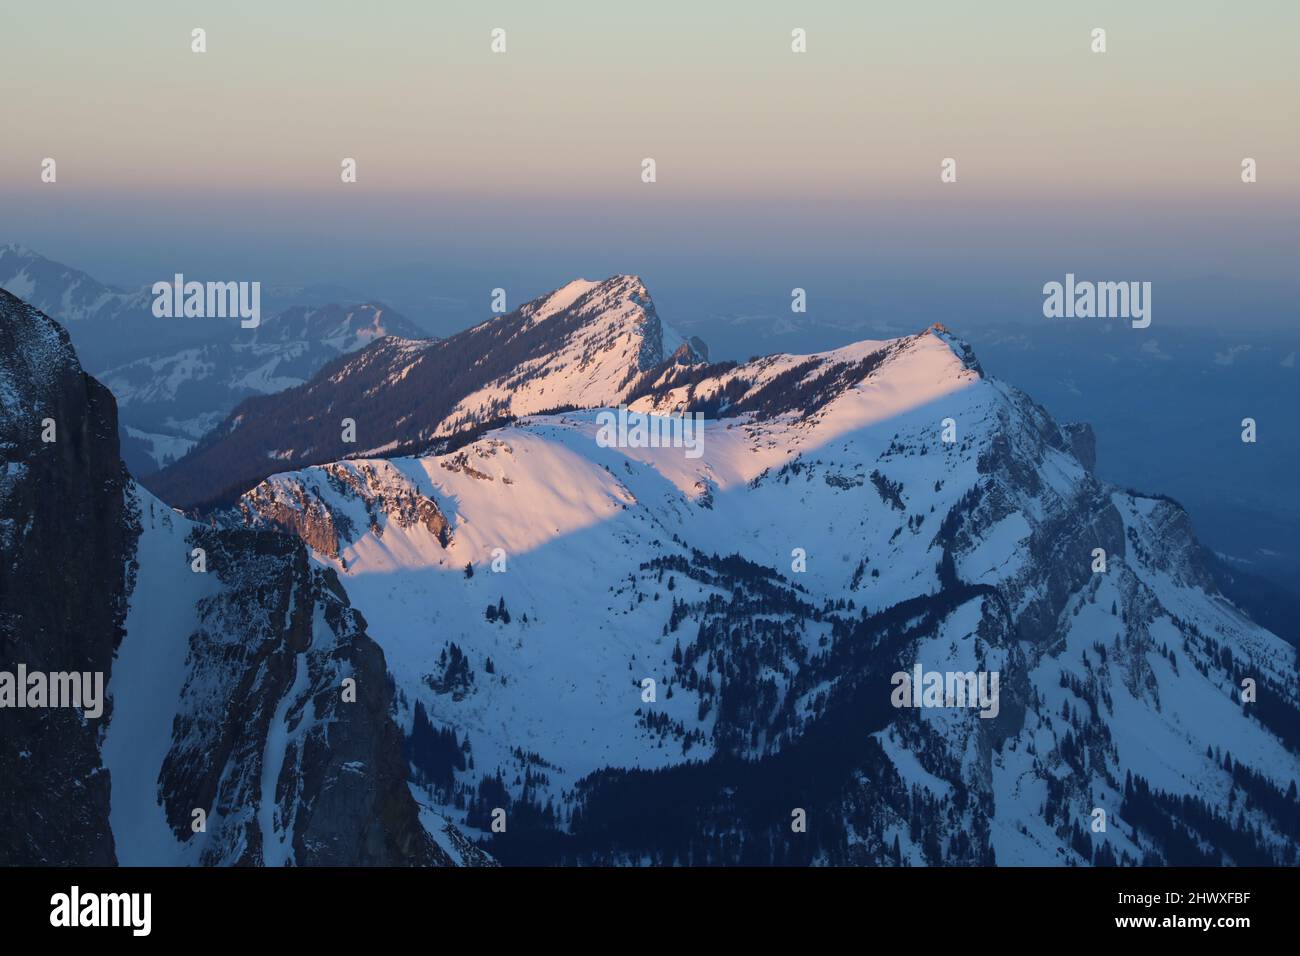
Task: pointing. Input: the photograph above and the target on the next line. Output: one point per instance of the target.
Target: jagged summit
(618, 304)
(961, 348)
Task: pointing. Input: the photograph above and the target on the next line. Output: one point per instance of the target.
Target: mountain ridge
(583, 343)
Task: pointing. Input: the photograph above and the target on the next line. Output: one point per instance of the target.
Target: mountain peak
(561, 298)
(589, 296)
(602, 320)
(960, 347)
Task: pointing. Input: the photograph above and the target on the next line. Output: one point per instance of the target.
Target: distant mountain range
(174, 379)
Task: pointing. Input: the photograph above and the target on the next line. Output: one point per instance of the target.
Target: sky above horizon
(774, 169)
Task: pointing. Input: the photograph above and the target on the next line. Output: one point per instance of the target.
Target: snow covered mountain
(174, 379)
(644, 656)
(245, 713)
(572, 644)
(583, 345)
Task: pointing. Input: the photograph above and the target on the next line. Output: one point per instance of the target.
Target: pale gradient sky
(712, 91)
(528, 163)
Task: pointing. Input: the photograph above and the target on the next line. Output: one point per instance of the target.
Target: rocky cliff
(247, 713)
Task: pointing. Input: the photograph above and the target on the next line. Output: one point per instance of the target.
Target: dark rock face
(66, 541)
(372, 821)
(1063, 541)
(1083, 443)
(270, 736)
(960, 347)
(306, 517)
